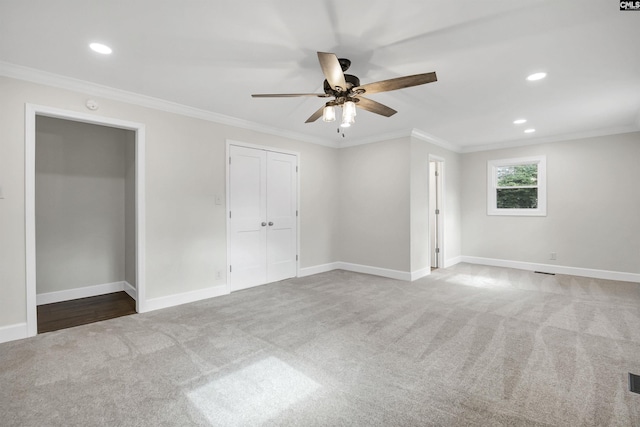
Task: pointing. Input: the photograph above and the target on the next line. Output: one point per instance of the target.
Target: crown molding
(33, 75)
(414, 133)
(556, 138)
(376, 138)
(427, 137)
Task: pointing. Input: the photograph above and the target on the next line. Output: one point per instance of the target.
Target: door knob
(264, 224)
(270, 223)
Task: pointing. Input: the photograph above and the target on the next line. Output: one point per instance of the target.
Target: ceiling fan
(346, 91)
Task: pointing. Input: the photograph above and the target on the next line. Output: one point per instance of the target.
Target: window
(517, 186)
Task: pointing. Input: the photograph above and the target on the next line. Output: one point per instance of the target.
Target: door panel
(247, 205)
(281, 212)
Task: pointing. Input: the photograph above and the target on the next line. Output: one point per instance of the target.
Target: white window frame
(492, 186)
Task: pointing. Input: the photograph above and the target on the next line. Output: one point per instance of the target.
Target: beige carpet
(467, 346)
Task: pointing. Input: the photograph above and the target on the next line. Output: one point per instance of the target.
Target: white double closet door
(262, 216)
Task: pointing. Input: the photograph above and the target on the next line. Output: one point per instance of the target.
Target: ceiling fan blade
(375, 107)
(397, 83)
(315, 116)
(332, 71)
(288, 95)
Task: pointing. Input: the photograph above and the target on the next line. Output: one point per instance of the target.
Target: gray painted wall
(80, 204)
(593, 212)
(384, 203)
(374, 205)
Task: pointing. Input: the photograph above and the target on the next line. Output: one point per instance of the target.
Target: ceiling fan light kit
(347, 91)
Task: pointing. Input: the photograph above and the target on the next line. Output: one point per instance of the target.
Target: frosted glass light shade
(348, 114)
(329, 113)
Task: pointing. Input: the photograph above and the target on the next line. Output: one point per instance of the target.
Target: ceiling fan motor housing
(344, 63)
(351, 80)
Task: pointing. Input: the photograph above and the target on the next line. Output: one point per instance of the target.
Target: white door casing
(262, 200)
(31, 111)
(436, 204)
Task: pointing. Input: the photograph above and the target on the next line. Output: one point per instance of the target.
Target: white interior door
(281, 216)
(262, 216)
(247, 217)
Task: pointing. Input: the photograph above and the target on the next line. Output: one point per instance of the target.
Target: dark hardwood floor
(67, 314)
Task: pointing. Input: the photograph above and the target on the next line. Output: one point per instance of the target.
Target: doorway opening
(436, 226)
(84, 208)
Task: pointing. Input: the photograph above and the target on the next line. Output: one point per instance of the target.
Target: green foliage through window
(517, 198)
(517, 187)
(520, 175)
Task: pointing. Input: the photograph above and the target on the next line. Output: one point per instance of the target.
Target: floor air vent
(544, 272)
(634, 383)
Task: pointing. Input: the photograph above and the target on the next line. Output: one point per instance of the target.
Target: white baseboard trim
(376, 271)
(130, 290)
(86, 291)
(419, 274)
(13, 332)
(366, 269)
(317, 269)
(452, 261)
(556, 269)
(185, 298)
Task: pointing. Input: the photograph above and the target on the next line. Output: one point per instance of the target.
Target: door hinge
(296, 169)
(229, 160)
(437, 173)
(437, 211)
(296, 257)
(296, 213)
(230, 269)
(229, 214)
(437, 250)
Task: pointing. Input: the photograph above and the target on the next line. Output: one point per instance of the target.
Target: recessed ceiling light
(536, 76)
(100, 48)
(519, 121)
(529, 131)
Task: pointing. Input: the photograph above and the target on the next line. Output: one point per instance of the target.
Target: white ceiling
(212, 55)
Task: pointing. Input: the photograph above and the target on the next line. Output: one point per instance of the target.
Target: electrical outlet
(552, 256)
(219, 275)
